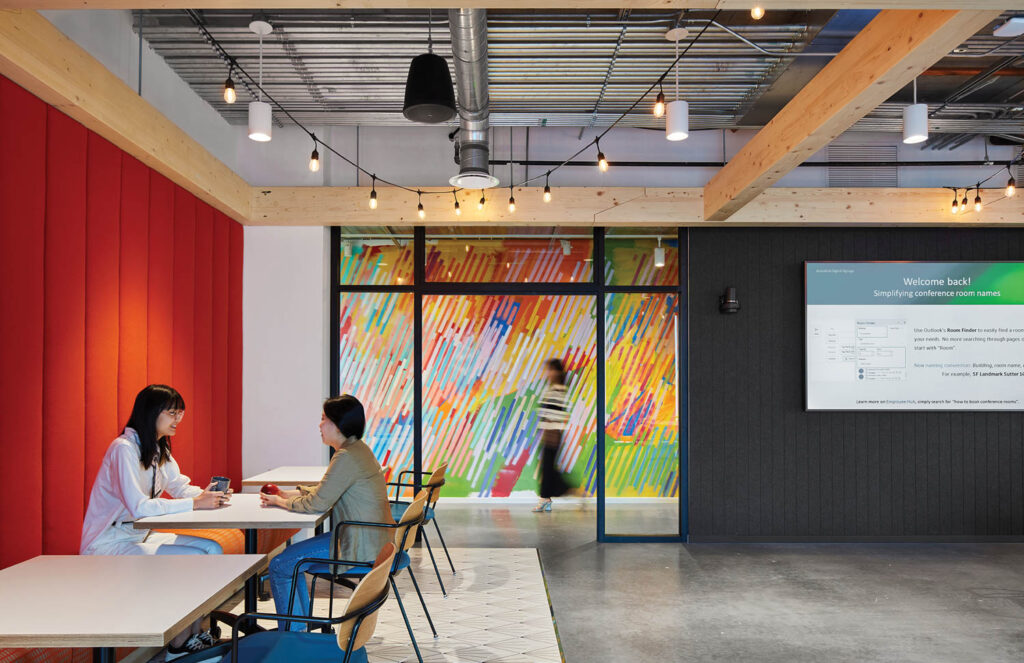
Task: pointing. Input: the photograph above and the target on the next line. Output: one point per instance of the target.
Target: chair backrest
(405, 533)
(435, 482)
(371, 588)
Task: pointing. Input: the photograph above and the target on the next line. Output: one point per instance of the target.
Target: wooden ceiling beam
(626, 206)
(37, 56)
(886, 55)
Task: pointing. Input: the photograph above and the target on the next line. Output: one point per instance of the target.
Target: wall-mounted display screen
(914, 335)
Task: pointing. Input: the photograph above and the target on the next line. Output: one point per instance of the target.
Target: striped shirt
(552, 411)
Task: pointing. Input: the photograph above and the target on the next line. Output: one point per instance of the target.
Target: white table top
(114, 601)
(242, 512)
(289, 475)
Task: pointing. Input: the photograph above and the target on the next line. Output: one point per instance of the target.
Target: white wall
(285, 345)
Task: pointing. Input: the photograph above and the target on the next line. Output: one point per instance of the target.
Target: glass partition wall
(443, 332)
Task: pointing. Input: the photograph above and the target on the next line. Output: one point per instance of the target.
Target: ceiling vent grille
(853, 176)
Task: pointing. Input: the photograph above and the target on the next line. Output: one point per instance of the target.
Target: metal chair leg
(408, 626)
(443, 545)
(433, 561)
(422, 602)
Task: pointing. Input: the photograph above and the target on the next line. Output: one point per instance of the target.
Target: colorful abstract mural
(629, 260)
(510, 260)
(641, 382)
(376, 261)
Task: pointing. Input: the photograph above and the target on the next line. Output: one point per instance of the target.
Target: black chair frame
(335, 577)
(435, 493)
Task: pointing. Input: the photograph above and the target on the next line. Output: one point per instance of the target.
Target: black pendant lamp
(429, 93)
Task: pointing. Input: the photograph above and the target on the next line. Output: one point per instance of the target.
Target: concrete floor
(761, 602)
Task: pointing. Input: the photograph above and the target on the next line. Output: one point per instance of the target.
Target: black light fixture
(729, 302)
(429, 93)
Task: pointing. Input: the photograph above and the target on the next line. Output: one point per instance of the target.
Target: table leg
(104, 655)
(252, 582)
(319, 529)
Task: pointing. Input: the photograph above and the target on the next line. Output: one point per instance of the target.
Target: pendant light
(373, 193)
(260, 117)
(458, 210)
(230, 96)
(915, 121)
(547, 187)
(419, 207)
(677, 119)
(429, 93)
(956, 202)
(483, 200)
(1011, 184)
(659, 255)
(659, 103)
(602, 161)
(963, 203)
(511, 200)
(314, 158)
(977, 198)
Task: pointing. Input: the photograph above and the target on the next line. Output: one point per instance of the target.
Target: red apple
(270, 489)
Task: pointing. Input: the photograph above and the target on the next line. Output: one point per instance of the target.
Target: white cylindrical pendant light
(915, 123)
(659, 256)
(259, 121)
(677, 120)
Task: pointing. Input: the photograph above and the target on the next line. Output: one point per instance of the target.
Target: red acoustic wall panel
(134, 287)
(102, 303)
(202, 414)
(183, 294)
(161, 279)
(22, 209)
(235, 246)
(111, 277)
(64, 335)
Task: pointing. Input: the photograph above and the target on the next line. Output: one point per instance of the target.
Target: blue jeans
(281, 568)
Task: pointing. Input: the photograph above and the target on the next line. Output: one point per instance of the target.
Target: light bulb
(547, 193)
(314, 161)
(977, 202)
(956, 205)
(373, 199)
(602, 163)
(1011, 187)
(482, 202)
(757, 12)
(512, 204)
(419, 210)
(963, 204)
(659, 105)
(229, 91)
(458, 211)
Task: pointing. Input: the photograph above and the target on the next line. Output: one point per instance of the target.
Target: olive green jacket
(354, 487)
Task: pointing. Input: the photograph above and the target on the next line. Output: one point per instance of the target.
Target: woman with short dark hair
(552, 418)
(353, 486)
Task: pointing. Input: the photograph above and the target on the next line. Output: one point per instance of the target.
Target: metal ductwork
(469, 52)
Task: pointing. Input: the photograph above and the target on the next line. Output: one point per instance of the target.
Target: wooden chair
(433, 484)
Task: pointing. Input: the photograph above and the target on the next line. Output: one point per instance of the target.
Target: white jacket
(122, 491)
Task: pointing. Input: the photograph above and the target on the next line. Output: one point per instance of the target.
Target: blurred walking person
(553, 416)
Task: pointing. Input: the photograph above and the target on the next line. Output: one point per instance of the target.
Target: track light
(346, 249)
(566, 247)
(483, 200)
(915, 121)
(757, 12)
(659, 103)
(373, 193)
(511, 200)
(659, 255)
(956, 202)
(963, 203)
(314, 158)
(547, 188)
(977, 199)
(260, 118)
(1011, 185)
(230, 96)
(602, 162)
(419, 207)
(458, 211)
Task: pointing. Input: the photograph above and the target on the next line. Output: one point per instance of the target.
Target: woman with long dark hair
(137, 469)
(353, 487)
(552, 415)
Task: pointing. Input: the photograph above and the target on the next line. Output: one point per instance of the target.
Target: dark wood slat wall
(763, 468)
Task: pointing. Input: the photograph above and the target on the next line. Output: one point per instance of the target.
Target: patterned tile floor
(497, 610)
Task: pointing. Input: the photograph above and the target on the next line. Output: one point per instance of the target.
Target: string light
(659, 103)
(511, 200)
(1011, 184)
(483, 200)
(373, 193)
(757, 12)
(419, 208)
(956, 202)
(977, 199)
(602, 162)
(547, 188)
(230, 96)
(458, 212)
(963, 203)
(314, 158)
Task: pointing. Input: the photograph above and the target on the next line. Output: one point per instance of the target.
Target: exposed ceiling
(576, 68)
